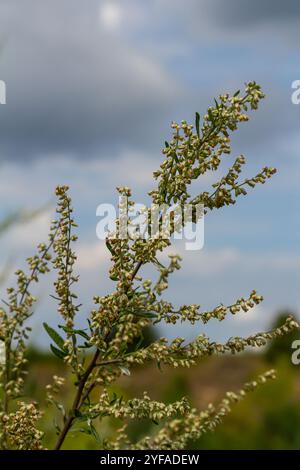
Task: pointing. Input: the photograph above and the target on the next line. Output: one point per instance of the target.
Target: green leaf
(61, 408)
(94, 432)
(139, 343)
(58, 352)
(82, 333)
(85, 431)
(85, 345)
(211, 116)
(113, 399)
(54, 336)
(75, 332)
(110, 248)
(198, 124)
(140, 313)
(145, 314)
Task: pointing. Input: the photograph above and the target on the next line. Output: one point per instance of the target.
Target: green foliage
(112, 343)
(269, 420)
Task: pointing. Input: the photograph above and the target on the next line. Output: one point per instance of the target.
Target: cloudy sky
(91, 90)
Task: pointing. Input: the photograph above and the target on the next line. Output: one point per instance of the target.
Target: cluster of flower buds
(19, 428)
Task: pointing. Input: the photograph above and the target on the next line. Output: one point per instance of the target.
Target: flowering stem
(79, 400)
(8, 343)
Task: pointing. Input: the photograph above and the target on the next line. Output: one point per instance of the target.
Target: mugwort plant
(111, 344)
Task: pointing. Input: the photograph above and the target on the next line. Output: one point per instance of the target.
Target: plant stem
(79, 400)
(76, 401)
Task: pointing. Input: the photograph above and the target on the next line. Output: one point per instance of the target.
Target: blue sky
(91, 90)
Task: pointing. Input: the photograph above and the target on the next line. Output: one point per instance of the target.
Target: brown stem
(79, 399)
(137, 268)
(76, 402)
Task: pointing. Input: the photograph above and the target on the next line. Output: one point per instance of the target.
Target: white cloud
(210, 263)
(26, 235)
(93, 180)
(110, 15)
(91, 256)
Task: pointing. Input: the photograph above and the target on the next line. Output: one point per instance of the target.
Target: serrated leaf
(54, 336)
